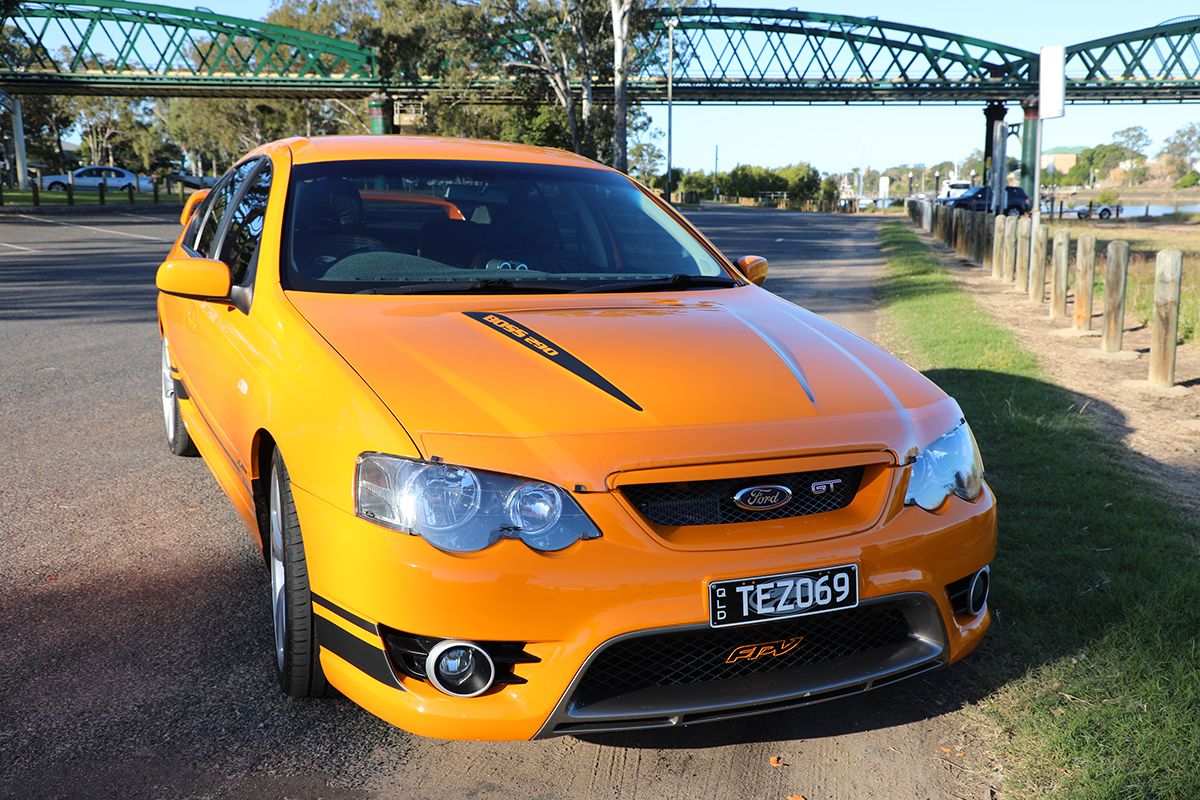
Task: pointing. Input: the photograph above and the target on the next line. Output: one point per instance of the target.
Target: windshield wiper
(678, 281)
(481, 286)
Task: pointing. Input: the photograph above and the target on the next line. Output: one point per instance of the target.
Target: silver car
(114, 178)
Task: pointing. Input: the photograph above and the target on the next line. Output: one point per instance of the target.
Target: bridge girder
(723, 55)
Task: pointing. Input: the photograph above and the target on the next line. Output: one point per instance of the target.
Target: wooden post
(103, 190)
(997, 245)
(982, 253)
(182, 195)
(1058, 281)
(129, 191)
(1024, 226)
(1164, 326)
(1037, 265)
(1085, 280)
(34, 187)
(1114, 296)
(1008, 268)
(155, 191)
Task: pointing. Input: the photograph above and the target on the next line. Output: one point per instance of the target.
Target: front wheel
(178, 440)
(1105, 213)
(57, 187)
(297, 653)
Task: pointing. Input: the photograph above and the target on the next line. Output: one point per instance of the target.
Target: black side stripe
(369, 627)
(355, 651)
(523, 335)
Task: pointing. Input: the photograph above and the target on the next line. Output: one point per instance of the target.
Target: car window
(244, 233)
(87, 173)
(375, 225)
(218, 205)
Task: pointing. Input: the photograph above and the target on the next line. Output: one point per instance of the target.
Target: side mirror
(754, 268)
(189, 207)
(197, 278)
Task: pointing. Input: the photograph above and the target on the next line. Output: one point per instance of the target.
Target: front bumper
(569, 607)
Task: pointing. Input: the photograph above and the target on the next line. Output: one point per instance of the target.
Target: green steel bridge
(723, 55)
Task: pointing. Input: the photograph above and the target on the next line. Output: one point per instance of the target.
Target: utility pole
(671, 23)
(716, 188)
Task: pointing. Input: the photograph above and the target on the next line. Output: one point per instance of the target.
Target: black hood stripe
(524, 335)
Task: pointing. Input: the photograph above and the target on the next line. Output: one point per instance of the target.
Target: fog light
(461, 669)
(977, 595)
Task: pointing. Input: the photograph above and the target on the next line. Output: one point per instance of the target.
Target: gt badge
(753, 652)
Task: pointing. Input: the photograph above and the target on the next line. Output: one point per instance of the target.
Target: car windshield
(410, 226)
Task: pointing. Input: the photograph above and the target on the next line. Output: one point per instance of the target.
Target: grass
(1091, 677)
(13, 197)
(1145, 240)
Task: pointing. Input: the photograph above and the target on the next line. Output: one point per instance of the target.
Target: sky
(838, 138)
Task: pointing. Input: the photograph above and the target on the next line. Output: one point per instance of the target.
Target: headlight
(463, 510)
(951, 464)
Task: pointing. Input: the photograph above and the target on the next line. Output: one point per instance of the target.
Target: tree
(829, 190)
(622, 11)
(1134, 139)
(1181, 149)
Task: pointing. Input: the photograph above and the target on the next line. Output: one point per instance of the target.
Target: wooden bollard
(1008, 268)
(1164, 325)
(982, 253)
(1058, 281)
(1114, 296)
(1024, 225)
(1037, 265)
(1085, 280)
(997, 245)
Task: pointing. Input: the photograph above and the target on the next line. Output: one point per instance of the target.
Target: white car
(953, 188)
(114, 178)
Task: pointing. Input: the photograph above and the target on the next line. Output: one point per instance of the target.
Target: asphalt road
(136, 658)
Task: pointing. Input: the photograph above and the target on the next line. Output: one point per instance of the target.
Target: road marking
(143, 216)
(18, 248)
(94, 228)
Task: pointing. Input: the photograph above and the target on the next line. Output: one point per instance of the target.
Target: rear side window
(218, 205)
(240, 245)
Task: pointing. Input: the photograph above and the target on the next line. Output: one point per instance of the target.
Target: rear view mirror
(189, 207)
(754, 268)
(197, 278)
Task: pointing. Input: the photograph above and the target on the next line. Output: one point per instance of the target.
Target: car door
(192, 325)
(87, 178)
(224, 338)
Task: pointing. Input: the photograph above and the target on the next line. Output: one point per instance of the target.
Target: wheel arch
(262, 447)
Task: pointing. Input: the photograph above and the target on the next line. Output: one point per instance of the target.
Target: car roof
(346, 148)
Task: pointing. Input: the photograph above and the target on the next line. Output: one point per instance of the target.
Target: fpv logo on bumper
(753, 652)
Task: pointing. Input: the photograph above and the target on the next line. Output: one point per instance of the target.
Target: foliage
(1098, 161)
(1181, 149)
(829, 190)
(1189, 180)
(1108, 197)
(1133, 139)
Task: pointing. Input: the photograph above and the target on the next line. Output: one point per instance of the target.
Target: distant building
(1063, 158)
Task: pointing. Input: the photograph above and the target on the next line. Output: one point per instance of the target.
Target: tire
(178, 440)
(297, 653)
(1105, 213)
(1012, 211)
(57, 186)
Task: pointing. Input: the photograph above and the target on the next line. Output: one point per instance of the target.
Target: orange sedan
(526, 455)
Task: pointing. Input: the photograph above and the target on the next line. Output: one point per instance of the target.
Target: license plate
(744, 601)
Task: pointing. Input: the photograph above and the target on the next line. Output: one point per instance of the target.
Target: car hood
(575, 389)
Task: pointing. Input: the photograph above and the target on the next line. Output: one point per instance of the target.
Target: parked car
(114, 178)
(194, 181)
(954, 188)
(527, 456)
(980, 199)
(1101, 211)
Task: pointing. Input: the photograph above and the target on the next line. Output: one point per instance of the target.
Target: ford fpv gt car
(527, 456)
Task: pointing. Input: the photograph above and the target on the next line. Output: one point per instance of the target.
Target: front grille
(711, 502)
(699, 656)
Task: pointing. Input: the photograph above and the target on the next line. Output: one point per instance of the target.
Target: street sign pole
(1052, 92)
(671, 23)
